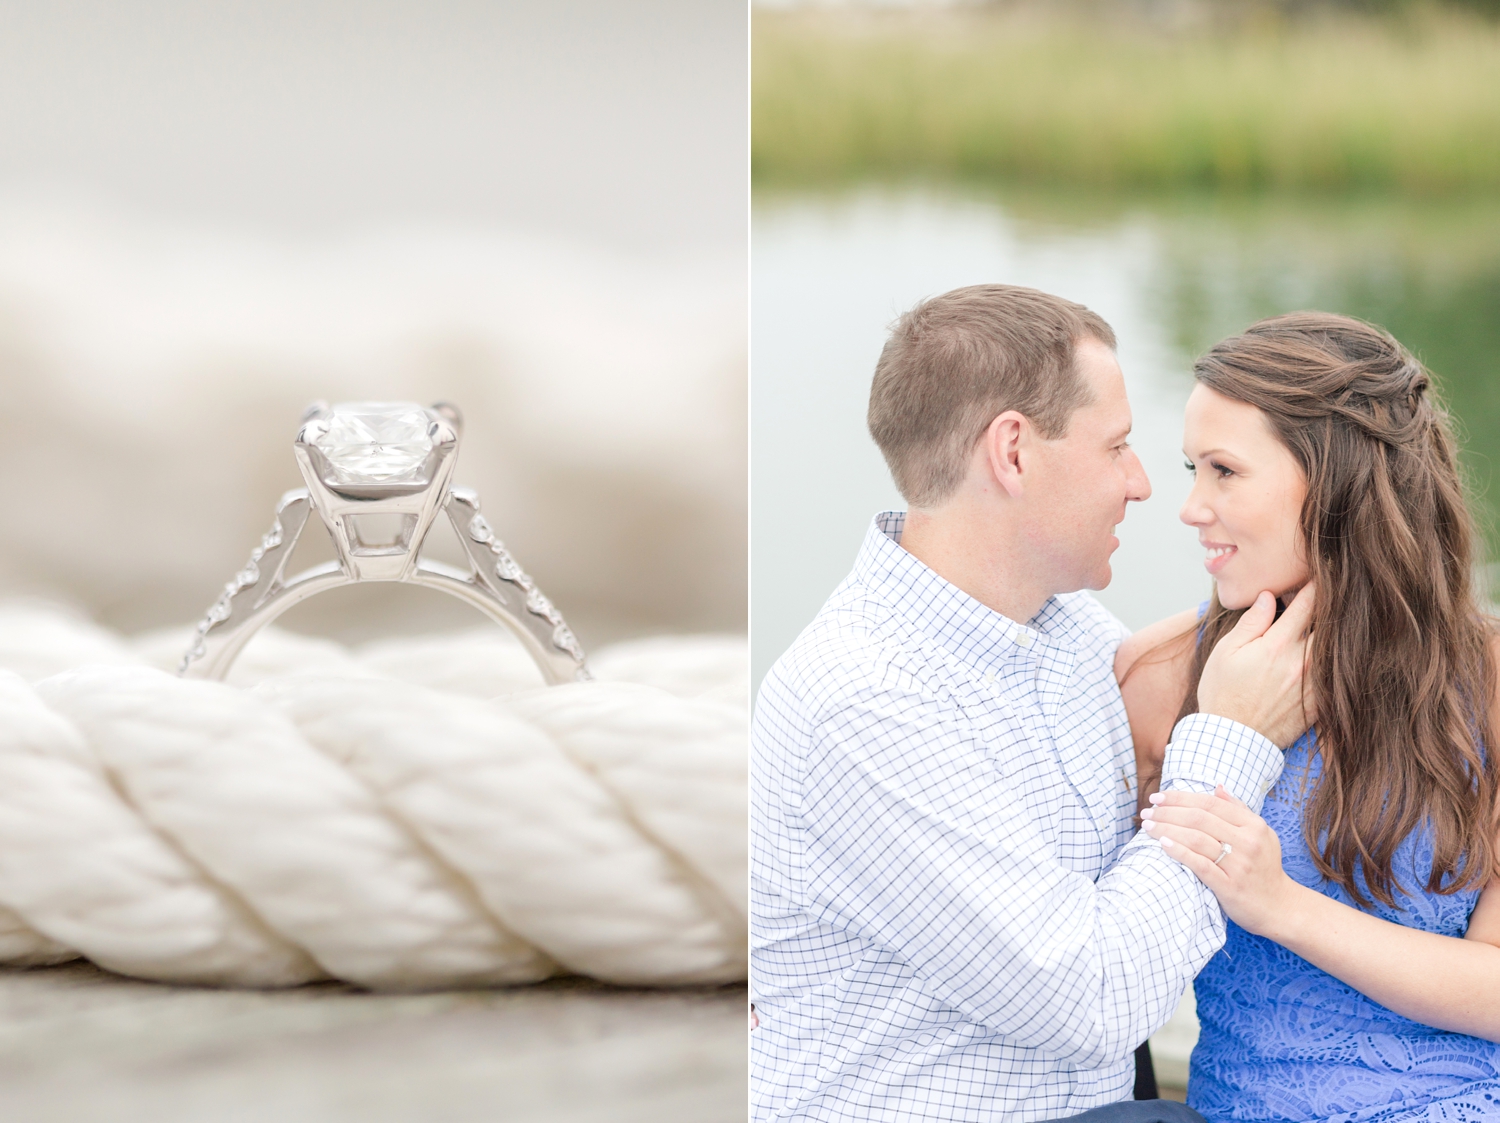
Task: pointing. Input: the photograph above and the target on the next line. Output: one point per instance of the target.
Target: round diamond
(479, 530)
(564, 640)
(376, 443)
(541, 606)
(507, 569)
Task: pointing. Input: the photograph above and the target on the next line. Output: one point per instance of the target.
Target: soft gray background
(212, 214)
(621, 124)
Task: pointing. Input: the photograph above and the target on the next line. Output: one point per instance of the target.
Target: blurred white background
(213, 213)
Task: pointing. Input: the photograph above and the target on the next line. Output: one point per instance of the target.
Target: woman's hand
(1440, 981)
(1249, 882)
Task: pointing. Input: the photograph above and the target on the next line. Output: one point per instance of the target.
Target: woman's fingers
(1249, 880)
(1221, 792)
(1218, 802)
(1174, 844)
(1186, 837)
(1199, 820)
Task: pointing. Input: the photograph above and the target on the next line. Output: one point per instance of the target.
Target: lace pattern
(1282, 1040)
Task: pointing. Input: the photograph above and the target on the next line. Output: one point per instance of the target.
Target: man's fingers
(1297, 618)
(1255, 621)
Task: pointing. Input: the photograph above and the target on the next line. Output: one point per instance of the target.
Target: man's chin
(1093, 582)
(1083, 577)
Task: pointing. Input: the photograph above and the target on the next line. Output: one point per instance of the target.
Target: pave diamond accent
(368, 443)
(479, 530)
(223, 608)
(563, 639)
(537, 603)
(506, 568)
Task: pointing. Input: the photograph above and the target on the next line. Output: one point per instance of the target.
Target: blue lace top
(1282, 1040)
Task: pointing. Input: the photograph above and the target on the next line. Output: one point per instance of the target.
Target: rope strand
(367, 815)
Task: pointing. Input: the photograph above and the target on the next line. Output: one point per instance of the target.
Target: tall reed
(1411, 105)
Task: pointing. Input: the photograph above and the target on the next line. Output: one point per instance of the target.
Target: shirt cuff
(1207, 749)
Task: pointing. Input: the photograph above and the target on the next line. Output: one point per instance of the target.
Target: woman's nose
(1194, 512)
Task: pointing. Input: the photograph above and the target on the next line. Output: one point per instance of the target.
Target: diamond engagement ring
(1224, 852)
(377, 475)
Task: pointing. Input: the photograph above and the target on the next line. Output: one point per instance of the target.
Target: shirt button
(1023, 638)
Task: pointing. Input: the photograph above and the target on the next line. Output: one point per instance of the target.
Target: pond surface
(830, 273)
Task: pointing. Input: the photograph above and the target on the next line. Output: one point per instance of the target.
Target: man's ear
(1002, 443)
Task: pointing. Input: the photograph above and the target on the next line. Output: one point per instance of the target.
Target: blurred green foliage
(1409, 101)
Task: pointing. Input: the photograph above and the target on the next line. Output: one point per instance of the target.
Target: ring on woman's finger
(1224, 852)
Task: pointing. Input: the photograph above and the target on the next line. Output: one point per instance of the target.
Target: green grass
(1409, 105)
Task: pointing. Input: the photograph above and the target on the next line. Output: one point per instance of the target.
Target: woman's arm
(1440, 981)
(1151, 667)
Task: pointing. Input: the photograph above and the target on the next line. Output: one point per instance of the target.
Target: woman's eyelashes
(1224, 471)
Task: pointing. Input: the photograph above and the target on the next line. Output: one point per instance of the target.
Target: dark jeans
(1146, 1108)
(1139, 1111)
(1145, 1074)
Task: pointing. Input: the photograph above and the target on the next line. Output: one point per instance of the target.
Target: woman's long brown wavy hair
(1400, 667)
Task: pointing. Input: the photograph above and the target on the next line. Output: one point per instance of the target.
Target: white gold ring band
(377, 474)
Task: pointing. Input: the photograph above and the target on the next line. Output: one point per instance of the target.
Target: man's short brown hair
(957, 361)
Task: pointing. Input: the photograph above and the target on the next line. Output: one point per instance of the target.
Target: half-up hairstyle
(1399, 666)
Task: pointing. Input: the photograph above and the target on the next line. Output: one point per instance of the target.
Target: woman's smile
(1218, 556)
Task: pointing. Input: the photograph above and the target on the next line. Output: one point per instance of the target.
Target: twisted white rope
(376, 815)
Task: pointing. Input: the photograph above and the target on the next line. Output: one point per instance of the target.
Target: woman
(1360, 979)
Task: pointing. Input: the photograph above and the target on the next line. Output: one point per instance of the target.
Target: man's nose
(1138, 485)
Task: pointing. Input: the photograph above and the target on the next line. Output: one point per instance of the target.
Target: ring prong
(450, 413)
(313, 410)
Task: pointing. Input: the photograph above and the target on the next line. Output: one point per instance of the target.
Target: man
(950, 917)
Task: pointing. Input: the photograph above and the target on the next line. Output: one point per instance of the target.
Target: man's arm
(978, 905)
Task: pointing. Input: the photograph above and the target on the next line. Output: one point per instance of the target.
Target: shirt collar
(941, 610)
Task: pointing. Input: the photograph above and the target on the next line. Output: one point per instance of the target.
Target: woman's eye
(1219, 468)
(1190, 466)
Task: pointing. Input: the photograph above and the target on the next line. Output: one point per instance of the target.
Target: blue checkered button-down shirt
(949, 917)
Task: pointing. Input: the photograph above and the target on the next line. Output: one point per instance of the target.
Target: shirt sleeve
(1206, 750)
(913, 840)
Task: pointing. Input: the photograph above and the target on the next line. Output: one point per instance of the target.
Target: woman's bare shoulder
(1167, 641)
(1152, 667)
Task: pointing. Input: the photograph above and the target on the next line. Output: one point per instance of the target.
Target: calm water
(831, 272)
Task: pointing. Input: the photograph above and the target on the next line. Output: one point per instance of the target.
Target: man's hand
(1254, 674)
